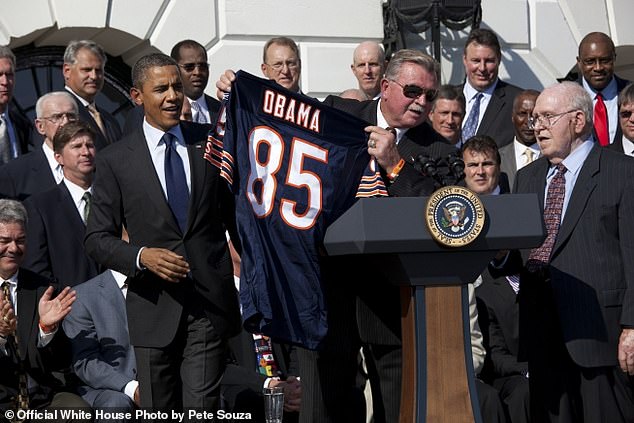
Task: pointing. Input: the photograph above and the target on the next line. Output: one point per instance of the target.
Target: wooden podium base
(436, 386)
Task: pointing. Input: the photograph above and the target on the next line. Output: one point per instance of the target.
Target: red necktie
(601, 121)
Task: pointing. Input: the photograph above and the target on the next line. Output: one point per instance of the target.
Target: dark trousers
(560, 390)
(515, 397)
(186, 373)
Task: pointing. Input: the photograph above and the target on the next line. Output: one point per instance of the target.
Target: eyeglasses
(625, 114)
(59, 117)
(546, 121)
(189, 67)
(278, 66)
(414, 91)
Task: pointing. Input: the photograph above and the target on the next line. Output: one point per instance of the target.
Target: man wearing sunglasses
(625, 143)
(191, 57)
(489, 100)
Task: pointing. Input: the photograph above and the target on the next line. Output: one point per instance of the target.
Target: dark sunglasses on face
(189, 67)
(414, 91)
(625, 114)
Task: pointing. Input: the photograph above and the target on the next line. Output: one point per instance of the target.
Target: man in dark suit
(524, 148)
(191, 57)
(83, 69)
(576, 291)
(485, 93)
(103, 358)
(15, 137)
(33, 351)
(57, 217)
(625, 144)
(398, 134)
(182, 303)
(38, 170)
(595, 61)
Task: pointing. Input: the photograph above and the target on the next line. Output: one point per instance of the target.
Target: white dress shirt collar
(628, 147)
(77, 194)
(380, 121)
(81, 100)
(520, 149)
(55, 167)
(120, 279)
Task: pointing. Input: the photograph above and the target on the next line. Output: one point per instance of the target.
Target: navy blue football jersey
(294, 166)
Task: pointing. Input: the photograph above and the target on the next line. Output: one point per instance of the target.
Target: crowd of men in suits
(119, 289)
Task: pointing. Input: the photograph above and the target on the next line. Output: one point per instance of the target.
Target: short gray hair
(70, 55)
(6, 53)
(12, 211)
(411, 56)
(39, 105)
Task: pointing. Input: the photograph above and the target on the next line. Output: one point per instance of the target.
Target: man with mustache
(596, 63)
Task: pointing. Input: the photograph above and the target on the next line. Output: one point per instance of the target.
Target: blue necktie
(471, 125)
(175, 181)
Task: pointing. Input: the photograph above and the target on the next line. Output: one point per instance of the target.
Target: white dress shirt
(77, 194)
(520, 149)
(202, 106)
(56, 168)
(469, 95)
(611, 99)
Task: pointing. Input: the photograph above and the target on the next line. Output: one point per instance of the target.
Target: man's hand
(8, 322)
(52, 311)
(626, 351)
(223, 85)
(166, 264)
(382, 145)
(292, 392)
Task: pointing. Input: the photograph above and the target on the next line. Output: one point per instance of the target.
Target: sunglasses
(189, 67)
(414, 91)
(625, 114)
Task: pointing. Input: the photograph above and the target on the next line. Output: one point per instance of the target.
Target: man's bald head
(368, 66)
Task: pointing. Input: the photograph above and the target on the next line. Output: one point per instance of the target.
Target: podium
(438, 384)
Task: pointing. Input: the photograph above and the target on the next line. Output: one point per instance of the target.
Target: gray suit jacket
(97, 327)
(508, 165)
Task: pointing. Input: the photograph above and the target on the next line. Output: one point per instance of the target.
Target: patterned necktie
(601, 121)
(22, 400)
(471, 124)
(200, 116)
(530, 156)
(87, 198)
(264, 353)
(176, 181)
(97, 117)
(5, 141)
(540, 257)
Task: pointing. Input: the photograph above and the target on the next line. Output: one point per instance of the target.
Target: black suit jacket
(591, 271)
(127, 192)
(26, 175)
(45, 365)
(496, 121)
(378, 302)
(55, 238)
(113, 130)
(23, 131)
(499, 322)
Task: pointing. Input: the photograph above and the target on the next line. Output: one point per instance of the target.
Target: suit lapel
(27, 309)
(585, 184)
(140, 158)
(115, 298)
(66, 207)
(198, 169)
(496, 103)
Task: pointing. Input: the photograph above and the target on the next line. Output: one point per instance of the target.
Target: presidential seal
(454, 216)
